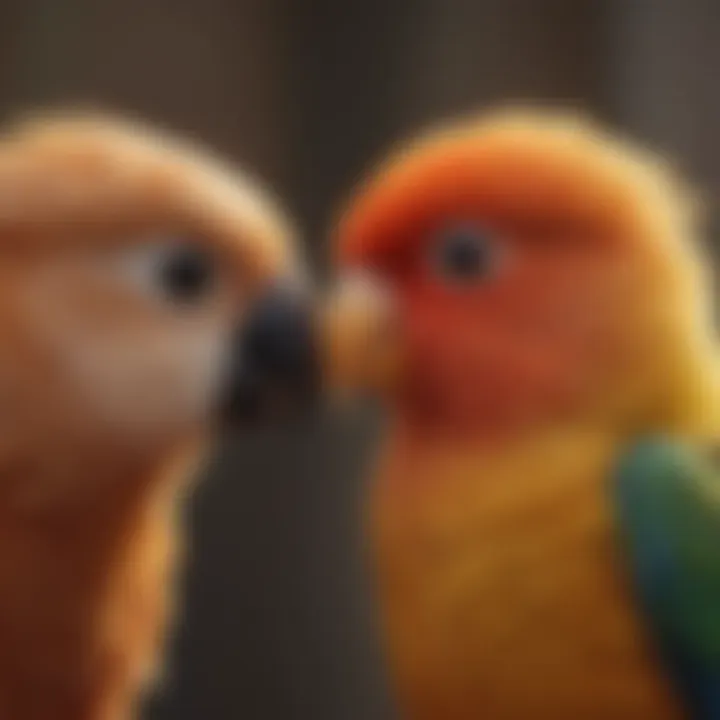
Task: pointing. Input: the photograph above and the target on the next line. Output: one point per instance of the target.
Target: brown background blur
(278, 619)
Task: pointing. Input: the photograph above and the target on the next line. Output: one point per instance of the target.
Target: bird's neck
(473, 545)
(67, 532)
(458, 472)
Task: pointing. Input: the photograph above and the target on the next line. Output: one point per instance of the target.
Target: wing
(667, 498)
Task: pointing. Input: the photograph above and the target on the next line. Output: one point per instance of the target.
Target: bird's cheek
(361, 336)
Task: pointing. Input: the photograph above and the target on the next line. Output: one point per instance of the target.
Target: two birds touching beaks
(527, 295)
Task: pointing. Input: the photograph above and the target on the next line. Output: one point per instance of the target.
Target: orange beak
(361, 339)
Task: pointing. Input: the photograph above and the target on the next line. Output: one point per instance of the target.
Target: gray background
(278, 619)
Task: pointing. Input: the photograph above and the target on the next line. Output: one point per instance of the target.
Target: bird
(152, 298)
(527, 294)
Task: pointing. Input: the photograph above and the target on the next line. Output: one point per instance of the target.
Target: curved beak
(361, 348)
(275, 369)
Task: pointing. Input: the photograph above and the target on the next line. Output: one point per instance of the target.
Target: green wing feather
(668, 509)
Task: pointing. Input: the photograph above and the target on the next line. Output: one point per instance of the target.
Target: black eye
(464, 254)
(186, 274)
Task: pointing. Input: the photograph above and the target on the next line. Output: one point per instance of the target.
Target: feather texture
(668, 508)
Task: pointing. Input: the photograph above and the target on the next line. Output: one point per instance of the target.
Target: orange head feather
(538, 270)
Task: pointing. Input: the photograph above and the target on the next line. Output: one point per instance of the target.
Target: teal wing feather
(667, 498)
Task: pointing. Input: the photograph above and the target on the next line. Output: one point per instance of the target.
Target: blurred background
(278, 620)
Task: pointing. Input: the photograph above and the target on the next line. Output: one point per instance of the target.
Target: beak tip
(278, 366)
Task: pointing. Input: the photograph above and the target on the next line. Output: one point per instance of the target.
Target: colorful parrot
(525, 293)
(148, 297)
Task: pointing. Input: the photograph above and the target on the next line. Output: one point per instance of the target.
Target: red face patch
(506, 283)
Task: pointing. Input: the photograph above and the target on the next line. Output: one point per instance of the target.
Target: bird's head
(522, 269)
(146, 291)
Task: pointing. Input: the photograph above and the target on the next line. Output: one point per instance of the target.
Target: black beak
(275, 369)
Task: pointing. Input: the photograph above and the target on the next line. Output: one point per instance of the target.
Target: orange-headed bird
(529, 302)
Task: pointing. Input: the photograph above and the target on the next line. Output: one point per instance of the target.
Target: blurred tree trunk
(660, 79)
(661, 84)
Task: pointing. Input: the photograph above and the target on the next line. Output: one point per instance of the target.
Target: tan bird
(144, 287)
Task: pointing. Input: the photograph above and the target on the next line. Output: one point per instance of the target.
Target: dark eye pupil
(465, 255)
(187, 274)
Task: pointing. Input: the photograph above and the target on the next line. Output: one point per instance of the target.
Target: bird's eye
(464, 254)
(185, 274)
(177, 271)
